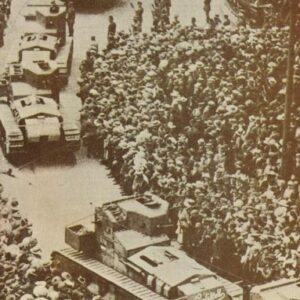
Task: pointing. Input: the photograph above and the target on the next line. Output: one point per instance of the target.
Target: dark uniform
(207, 9)
(71, 19)
(112, 28)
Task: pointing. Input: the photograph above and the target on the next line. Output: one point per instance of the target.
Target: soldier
(70, 17)
(112, 28)
(207, 10)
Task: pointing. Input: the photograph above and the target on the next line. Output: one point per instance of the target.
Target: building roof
(131, 239)
(162, 262)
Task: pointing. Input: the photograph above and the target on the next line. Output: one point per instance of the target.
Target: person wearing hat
(184, 223)
(54, 8)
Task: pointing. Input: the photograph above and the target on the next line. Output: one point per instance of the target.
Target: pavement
(51, 194)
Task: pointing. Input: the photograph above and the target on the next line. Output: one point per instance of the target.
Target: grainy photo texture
(150, 149)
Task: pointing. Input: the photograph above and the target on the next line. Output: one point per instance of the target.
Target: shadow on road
(97, 6)
(43, 158)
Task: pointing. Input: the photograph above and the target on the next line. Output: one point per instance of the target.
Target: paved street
(52, 196)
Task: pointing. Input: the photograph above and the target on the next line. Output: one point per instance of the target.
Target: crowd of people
(195, 116)
(24, 275)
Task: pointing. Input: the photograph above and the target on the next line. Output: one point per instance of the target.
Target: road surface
(52, 196)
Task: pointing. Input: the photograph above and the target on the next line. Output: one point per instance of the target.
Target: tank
(139, 261)
(30, 90)
(30, 121)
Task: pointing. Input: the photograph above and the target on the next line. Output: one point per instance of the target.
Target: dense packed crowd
(195, 115)
(23, 273)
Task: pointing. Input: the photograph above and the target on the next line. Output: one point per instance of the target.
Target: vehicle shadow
(43, 158)
(97, 6)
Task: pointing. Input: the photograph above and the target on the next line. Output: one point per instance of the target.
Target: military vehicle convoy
(30, 112)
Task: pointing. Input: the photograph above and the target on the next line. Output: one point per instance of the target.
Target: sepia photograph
(150, 149)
